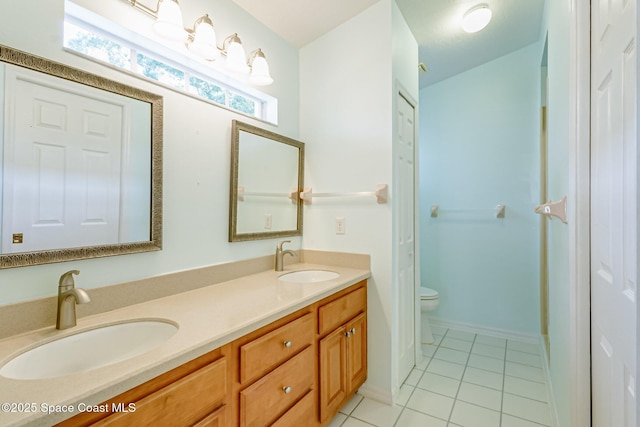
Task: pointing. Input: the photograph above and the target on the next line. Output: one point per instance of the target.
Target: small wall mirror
(81, 164)
(267, 172)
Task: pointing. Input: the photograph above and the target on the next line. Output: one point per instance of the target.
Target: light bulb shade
(169, 21)
(476, 18)
(260, 70)
(202, 40)
(236, 58)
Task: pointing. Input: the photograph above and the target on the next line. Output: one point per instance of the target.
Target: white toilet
(428, 301)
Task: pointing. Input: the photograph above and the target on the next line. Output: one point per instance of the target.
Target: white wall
(197, 140)
(479, 147)
(346, 119)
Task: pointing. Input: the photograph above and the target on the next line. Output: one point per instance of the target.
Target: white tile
(337, 420)
(530, 410)
(428, 350)
(438, 330)
(439, 384)
(461, 335)
(493, 341)
(488, 350)
(353, 422)
(447, 369)
(413, 377)
(455, 356)
(405, 393)
(483, 377)
(468, 415)
(510, 421)
(377, 413)
(530, 373)
(486, 363)
(429, 403)
(411, 418)
(351, 404)
(422, 365)
(437, 338)
(456, 344)
(526, 347)
(524, 358)
(525, 388)
(481, 396)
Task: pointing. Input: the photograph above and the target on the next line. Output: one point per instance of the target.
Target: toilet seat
(428, 293)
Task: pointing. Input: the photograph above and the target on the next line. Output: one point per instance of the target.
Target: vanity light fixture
(476, 18)
(169, 20)
(236, 58)
(201, 41)
(259, 69)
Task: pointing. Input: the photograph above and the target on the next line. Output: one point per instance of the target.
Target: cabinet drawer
(336, 313)
(266, 399)
(182, 403)
(216, 419)
(261, 355)
(300, 414)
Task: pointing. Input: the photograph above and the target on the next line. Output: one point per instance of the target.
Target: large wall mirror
(80, 162)
(267, 173)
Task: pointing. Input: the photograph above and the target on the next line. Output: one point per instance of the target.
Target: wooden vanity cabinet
(195, 393)
(296, 371)
(342, 350)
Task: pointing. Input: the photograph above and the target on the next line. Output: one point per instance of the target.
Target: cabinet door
(333, 374)
(356, 352)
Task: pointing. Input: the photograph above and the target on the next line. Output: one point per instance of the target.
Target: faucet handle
(66, 280)
(279, 246)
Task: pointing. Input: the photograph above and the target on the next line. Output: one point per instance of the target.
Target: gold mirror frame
(237, 128)
(25, 60)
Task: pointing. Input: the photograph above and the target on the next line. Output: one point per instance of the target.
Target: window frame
(265, 106)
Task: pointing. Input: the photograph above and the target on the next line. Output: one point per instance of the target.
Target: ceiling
(302, 21)
(443, 46)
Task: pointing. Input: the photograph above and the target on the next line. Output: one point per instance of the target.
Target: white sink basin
(309, 276)
(89, 349)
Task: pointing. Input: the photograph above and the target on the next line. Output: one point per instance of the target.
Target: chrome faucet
(281, 253)
(68, 297)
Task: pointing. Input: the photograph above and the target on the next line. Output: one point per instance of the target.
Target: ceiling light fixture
(201, 41)
(476, 18)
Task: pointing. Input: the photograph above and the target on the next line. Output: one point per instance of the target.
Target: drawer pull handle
(353, 331)
(288, 344)
(286, 389)
(347, 334)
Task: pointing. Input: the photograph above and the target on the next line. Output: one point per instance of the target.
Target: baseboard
(485, 330)
(376, 393)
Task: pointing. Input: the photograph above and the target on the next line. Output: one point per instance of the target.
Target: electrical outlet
(268, 221)
(340, 227)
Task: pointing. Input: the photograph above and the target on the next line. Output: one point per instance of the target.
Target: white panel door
(62, 166)
(405, 235)
(614, 212)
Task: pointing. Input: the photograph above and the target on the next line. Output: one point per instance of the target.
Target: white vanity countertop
(208, 318)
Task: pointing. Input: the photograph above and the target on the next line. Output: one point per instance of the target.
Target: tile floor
(466, 380)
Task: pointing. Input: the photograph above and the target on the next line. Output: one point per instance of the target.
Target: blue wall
(479, 147)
